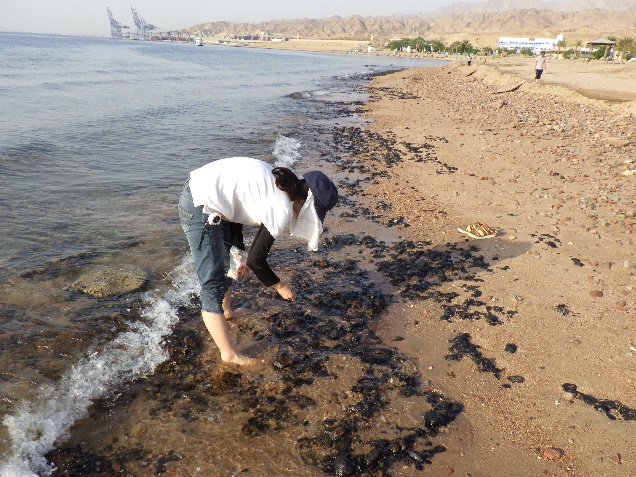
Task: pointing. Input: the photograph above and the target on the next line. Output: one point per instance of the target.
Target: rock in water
(102, 280)
(343, 467)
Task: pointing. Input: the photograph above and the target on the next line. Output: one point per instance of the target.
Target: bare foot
(239, 359)
(230, 315)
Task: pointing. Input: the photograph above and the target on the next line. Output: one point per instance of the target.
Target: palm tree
(623, 46)
(456, 45)
(577, 44)
(561, 44)
(466, 46)
(438, 45)
(418, 44)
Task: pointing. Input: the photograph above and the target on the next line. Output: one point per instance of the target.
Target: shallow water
(98, 137)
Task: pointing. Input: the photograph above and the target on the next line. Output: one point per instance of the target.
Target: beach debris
(478, 230)
(516, 379)
(509, 87)
(462, 346)
(553, 453)
(548, 239)
(613, 410)
(418, 270)
(364, 148)
(577, 262)
(102, 281)
(563, 309)
(511, 348)
(596, 293)
(399, 221)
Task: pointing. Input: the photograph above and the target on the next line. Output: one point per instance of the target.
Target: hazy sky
(89, 17)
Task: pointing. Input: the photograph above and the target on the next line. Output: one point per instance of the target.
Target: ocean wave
(309, 94)
(37, 425)
(300, 95)
(286, 151)
(375, 70)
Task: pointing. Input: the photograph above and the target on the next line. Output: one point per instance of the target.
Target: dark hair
(287, 181)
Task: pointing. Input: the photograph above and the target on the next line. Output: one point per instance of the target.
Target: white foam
(37, 426)
(286, 151)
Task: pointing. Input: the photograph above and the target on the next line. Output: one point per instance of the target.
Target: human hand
(285, 291)
(243, 271)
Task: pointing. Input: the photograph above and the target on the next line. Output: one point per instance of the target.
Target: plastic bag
(307, 225)
(238, 257)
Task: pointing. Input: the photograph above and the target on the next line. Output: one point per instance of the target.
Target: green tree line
(625, 46)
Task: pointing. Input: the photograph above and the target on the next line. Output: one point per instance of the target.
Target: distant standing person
(539, 66)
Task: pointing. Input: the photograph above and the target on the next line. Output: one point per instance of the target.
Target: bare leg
(227, 307)
(215, 323)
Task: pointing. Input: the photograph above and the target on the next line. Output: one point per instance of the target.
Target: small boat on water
(198, 41)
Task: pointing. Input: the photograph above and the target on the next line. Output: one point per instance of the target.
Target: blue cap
(324, 191)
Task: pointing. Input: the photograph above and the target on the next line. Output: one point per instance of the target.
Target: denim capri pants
(210, 249)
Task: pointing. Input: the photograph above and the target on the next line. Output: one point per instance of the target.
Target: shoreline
(331, 396)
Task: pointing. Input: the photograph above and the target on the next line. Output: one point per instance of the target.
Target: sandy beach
(554, 172)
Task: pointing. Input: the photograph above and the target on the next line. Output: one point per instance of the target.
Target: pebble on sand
(596, 293)
(553, 453)
(569, 397)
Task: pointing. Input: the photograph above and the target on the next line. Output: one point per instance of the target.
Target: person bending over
(222, 196)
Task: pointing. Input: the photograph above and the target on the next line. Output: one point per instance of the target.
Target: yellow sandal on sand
(478, 230)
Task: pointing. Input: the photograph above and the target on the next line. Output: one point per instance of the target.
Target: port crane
(115, 27)
(142, 25)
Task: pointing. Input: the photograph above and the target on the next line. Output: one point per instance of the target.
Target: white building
(535, 44)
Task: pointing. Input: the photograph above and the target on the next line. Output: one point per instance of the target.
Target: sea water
(97, 138)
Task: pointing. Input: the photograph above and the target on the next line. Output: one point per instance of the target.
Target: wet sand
(413, 349)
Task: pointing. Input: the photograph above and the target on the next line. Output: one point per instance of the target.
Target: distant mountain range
(508, 5)
(583, 19)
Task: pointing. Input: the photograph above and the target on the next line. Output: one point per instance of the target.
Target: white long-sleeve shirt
(243, 190)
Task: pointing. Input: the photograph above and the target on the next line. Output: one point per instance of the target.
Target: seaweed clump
(462, 346)
(612, 409)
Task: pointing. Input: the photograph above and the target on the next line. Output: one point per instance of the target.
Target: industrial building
(535, 44)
